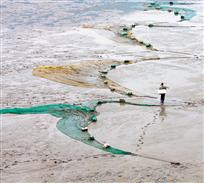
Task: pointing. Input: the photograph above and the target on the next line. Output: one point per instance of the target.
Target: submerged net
(83, 74)
(73, 118)
(71, 126)
(187, 13)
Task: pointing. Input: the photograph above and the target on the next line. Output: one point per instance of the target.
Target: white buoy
(103, 76)
(84, 129)
(106, 145)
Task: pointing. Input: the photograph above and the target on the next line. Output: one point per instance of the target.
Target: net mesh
(73, 118)
(187, 13)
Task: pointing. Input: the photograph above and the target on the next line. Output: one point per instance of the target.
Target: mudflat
(78, 52)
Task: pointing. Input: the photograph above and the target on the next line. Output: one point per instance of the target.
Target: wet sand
(161, 133)
(33, 150)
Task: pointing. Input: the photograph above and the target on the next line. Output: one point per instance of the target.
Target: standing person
(162, 92)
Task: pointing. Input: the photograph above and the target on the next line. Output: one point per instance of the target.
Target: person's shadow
(162, 113)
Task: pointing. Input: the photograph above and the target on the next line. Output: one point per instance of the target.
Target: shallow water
(52, 33)
(65, 13)
(72, 119)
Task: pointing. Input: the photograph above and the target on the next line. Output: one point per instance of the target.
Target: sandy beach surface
(52, 33)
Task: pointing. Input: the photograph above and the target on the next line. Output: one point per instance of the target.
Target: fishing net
(73, 118)
(186, 13)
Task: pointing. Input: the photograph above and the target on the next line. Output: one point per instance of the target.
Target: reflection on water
(162, 113)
